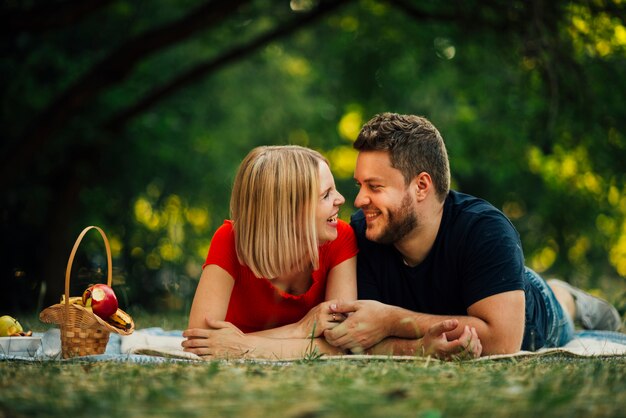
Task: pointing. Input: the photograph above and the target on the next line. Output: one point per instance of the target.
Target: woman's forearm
(288, 348)
(288, 331)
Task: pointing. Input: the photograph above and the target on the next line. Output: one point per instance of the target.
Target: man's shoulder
(357, 222)
(467, 209)
(474, 220)
(467, 204)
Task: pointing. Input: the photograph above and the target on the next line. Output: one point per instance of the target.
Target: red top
(255, 304)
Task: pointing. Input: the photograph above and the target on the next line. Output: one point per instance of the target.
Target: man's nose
(361, 199)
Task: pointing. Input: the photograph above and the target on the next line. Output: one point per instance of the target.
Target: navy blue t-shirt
(477, 253)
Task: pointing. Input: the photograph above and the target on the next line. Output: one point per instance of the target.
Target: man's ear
(423, 185)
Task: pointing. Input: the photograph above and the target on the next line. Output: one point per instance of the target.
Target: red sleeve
(344, 247)
(222, 251)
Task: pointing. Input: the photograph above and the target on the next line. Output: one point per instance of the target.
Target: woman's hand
(319, 319)
(221, 340)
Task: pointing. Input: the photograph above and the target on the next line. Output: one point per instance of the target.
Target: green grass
(537, 387)
(529, 387)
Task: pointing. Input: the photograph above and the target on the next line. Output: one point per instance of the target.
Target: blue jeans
(555, 327)
(612, 336)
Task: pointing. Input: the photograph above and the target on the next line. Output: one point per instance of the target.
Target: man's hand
(436, 343)
(364, 327)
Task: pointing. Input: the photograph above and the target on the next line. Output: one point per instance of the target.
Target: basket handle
(71, 260)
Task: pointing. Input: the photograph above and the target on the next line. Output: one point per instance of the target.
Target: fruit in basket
(9, 326)
(120, 320)
(77, 300)
(102, 300)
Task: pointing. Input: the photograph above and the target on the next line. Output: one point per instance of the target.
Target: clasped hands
(355, 327)
(366, 329)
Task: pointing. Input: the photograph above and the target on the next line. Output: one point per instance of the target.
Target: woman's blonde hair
(273, 207)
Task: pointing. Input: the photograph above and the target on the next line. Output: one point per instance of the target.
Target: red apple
(103, 300)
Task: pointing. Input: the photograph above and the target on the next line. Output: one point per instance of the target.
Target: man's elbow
(506, 343)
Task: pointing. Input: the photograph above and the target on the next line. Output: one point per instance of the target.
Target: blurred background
(134, 116)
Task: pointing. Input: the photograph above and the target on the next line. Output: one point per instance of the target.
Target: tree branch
(473, 20)
(48, 16)
(111, 70)
(208, 67)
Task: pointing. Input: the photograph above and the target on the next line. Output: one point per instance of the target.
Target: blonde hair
(273, 207)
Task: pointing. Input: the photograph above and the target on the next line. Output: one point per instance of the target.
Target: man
(428, 254)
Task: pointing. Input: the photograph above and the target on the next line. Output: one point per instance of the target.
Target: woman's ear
(423, 185)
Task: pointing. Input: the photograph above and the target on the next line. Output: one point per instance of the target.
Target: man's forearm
(398, 347)
(496, 339)
(404, 323)
(498, 320)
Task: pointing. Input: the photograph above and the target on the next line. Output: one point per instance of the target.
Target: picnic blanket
(155, 345)
(159, 339)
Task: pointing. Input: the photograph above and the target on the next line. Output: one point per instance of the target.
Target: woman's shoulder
(226, 226)
(225, 231)
(222, 248)
(344, 229)
(345, 241)
(343, 225)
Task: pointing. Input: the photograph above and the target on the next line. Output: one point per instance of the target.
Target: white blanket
(157, 345)
(170, 346)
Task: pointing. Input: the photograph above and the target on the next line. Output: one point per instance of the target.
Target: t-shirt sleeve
(493, 259)
(344, 247)
(222, 251)
(367, 284)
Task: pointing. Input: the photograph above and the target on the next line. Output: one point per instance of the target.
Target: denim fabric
(600, 335)
(556, 328)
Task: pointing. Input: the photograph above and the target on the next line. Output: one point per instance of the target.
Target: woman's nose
(339, 200)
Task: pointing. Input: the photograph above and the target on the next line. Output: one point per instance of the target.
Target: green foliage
(528, 96)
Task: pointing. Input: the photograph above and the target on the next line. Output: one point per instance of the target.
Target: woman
(270, 269)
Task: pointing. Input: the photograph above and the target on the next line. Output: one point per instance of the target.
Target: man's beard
(400, 223)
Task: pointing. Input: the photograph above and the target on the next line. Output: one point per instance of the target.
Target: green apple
(9, 326)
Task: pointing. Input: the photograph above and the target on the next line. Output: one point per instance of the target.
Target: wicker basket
(83, 333)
